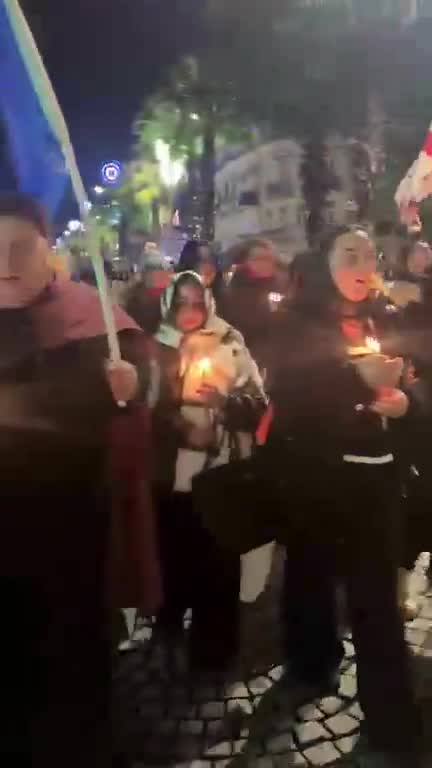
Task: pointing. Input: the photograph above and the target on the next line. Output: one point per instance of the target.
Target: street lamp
(98, 190)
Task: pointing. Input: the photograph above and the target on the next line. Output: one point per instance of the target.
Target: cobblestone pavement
(163, 719)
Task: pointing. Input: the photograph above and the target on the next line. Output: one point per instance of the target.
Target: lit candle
(373, 344)
(204, 367)
(274, 300)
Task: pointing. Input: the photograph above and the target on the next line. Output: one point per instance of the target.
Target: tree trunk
(314, 171)
(208, 170)
(318, 182)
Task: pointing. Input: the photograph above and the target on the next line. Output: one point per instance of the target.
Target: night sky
(104, 57)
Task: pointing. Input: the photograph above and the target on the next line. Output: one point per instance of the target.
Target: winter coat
(320, 401)
(235, 375)
(247, 308)
(59, 387)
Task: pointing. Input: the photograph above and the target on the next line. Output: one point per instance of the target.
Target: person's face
(24, 255)
(260, 263)
(190, 310)
(420, 260)
(352, 264)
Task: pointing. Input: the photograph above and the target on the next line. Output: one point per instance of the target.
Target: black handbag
(235, 504)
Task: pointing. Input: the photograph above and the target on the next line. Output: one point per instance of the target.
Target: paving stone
(213, 710)
(330, 705)
(262, 762)
(205, 693)
(347, 744)
(309, 712)
(426, 611)
(280, 744)
(192, 727)
(151, 709)
(239, 746)
(142, 635)
(351, 670)
(289, 760)
(276, 673)
(307, 733)
(356, 711)
(342, 725)
(322, 754)
(421, 624)
(215, 728)
(243, 707)
(260, 685)
(224, 749)
(182, 711)
(348, 686)
(415, 636)
(238, 691)
(167, 727)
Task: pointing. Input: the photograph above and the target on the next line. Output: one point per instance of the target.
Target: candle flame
(373, 344)
(204, 366)
(275, 298)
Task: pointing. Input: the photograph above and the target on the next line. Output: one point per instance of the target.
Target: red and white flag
(416, 186)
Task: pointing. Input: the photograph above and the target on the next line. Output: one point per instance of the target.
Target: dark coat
(246, 307)
(319, 398)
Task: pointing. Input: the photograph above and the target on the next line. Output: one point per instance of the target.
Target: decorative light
(111, 173)
(98, 190)
(194, 116)
(171, 171)
(75, 225)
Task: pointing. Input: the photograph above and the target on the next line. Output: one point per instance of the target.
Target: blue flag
(37, 154)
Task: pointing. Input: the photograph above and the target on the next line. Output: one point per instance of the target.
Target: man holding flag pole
(74, 491)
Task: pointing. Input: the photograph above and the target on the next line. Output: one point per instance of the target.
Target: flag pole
(53, 113)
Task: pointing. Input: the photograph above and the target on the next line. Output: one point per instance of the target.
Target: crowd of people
(315, 377)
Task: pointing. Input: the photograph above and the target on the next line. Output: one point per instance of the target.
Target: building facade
(259, 193)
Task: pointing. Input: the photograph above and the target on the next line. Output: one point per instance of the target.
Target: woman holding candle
(335, 404)
(209, 405)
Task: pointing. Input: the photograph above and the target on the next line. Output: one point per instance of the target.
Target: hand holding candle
(377, 370)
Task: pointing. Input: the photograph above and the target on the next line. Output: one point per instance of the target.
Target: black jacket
(320, 401)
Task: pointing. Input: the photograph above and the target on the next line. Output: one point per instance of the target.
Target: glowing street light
(74, 225)
(98, 190)
(194, 116)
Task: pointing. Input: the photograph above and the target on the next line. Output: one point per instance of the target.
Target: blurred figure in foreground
(332, 447)
(198, 257)
(62, 478)
(250, 294)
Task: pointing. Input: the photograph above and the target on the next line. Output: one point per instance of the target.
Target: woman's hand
(123, 381)
(211, 397)
(391, 403)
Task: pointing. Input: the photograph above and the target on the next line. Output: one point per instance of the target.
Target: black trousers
(54, 642)
(197, 574)
(349, 528)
